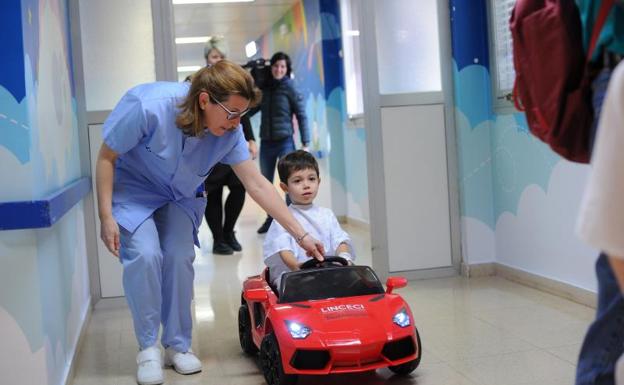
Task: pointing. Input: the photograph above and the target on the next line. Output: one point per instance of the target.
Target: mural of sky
(310, 34)
(13, 111)
(50, 96)
(39, 153)
(12, 74)
(498, 156)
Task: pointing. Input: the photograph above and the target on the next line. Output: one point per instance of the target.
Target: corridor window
(349, 14)
(408, 46)
(503, 73)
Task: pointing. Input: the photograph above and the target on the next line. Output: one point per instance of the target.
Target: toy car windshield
(332, 282)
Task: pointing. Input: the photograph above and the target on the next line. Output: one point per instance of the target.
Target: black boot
(265, 226)
(221, 247)
(230, 239)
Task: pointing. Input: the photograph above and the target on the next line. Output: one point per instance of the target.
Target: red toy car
(328, 317)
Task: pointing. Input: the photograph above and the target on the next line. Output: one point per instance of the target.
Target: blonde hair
(220, 81)
(215, 43)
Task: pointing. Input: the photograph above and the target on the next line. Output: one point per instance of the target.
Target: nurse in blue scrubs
(160, 142)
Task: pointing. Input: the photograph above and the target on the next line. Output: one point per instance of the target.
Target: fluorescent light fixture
(352, 32)
(192, 39)
(251, 49)
(178, 2)
(189, 68)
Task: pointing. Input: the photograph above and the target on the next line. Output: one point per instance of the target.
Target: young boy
(299, 176)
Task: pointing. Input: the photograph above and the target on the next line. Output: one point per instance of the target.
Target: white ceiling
(239, 23)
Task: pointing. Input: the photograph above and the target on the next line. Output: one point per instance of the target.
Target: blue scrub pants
(158, 277)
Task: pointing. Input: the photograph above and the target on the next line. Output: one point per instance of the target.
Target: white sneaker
(149, 371)
(183, 363)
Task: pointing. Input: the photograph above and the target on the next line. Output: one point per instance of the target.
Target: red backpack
(553, 83)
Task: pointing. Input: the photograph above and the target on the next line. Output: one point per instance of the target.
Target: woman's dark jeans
(604, 341)
(270, 152)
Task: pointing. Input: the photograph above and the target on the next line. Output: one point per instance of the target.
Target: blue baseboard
(45, 212)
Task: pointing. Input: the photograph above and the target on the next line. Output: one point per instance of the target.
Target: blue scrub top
(158, 163)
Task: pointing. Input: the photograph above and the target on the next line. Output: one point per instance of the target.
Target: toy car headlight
(402, 318)
(298, 330)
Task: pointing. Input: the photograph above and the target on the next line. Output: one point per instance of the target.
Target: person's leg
(142, 260)
(177, 243)
(286, 148)
(214, 212)
(269, 153)
(214, 218)
(604, 340)
(233, 207)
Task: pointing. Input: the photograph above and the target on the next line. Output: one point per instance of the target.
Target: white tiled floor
(478, 331)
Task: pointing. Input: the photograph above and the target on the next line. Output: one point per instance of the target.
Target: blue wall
(310, 33)
(44, 288)
(518, 199)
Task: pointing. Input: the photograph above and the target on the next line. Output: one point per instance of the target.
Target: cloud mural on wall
(478, 241)
(533, 194)
(12, 74)
(52, 107)
(56, 278)
(519, 160)
(469, 48)
(26, 367)
(14, 126)
(475, 168)
(553, 238)
(14, 123)
(471, 97)
(46, 267)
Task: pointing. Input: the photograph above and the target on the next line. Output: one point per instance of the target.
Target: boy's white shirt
(601, 219)
(319, 222)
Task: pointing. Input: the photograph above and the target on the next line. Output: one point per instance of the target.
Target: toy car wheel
(271, 363)
(410, 366)
(244, 330)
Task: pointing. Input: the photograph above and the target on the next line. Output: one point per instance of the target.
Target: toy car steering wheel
(327, 262)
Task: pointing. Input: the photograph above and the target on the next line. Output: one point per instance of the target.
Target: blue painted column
(333, 71)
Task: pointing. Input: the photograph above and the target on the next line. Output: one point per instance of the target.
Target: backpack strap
(605, 8)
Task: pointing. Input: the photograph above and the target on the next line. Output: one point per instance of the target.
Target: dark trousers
(270, 152)
(604, 341)
(222, 175)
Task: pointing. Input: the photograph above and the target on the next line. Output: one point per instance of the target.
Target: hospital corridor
(281, 192)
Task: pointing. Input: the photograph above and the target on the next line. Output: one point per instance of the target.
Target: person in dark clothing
(224, 240)
(280, 101)
(222, 229)
(604, 341)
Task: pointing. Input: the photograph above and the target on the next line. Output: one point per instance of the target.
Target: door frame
(373, 102)
(165, 70)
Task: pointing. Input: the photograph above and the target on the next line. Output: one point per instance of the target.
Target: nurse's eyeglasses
(231, 115)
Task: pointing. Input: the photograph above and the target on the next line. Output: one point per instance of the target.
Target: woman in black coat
(280, 102)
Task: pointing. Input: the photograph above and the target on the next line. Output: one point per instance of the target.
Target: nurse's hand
(253, 149)
(313, 247)
(109, 232)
